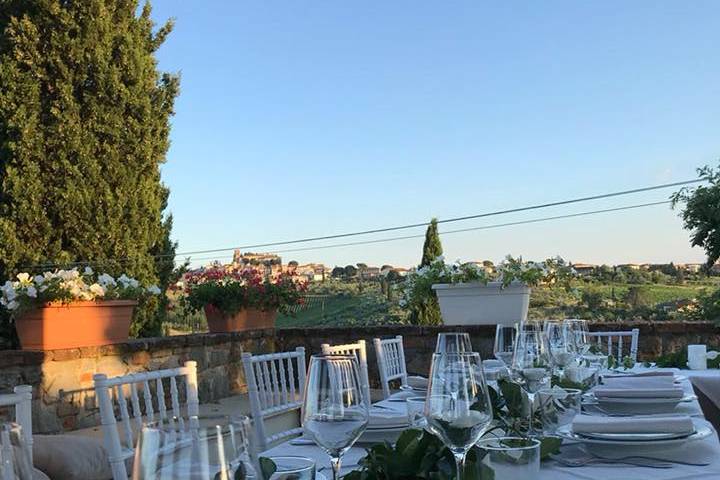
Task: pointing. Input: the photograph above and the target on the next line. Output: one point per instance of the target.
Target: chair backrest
(276, 384)
(617, 350)
(357, 349)
(391, 362)
(21, 399)
(115, 391)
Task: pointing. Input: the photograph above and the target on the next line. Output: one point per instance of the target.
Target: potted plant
(472, 295)
(235, 299)
(70, 309)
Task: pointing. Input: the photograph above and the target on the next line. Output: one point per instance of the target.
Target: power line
(448, 220)
(471, 229)
(379, 230)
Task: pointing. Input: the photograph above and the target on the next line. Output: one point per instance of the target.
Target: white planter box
(479, 304)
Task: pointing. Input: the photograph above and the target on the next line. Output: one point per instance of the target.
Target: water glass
(293, 468)
(196, 448)
(558, 407)
(577, 331)
(531, 366)
(458, 408)
(511, 458)
(562, 348)
(505, 343)
(416, 412)
(15, 460)
(453, 342)
(335, 408)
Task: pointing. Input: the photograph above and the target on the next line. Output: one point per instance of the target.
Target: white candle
(697, 357)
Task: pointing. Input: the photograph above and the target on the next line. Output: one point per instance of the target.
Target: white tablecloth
(708, 382)
(704, 451)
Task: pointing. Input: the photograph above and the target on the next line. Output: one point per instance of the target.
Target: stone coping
(9, 358)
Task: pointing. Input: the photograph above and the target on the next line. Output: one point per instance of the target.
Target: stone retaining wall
(62, 379)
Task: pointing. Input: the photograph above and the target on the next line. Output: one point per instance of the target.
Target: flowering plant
(230, 289)
(66, 286)
(418, 285)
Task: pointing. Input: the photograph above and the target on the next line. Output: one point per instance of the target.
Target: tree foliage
(701, 213)
(84, 128)
(432, 248)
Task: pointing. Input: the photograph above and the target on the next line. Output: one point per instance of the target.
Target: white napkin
(387, 419)
(639, 424)
(634, 383)
(648, 373)
(491, 363)
(649, 393)
(418, 383)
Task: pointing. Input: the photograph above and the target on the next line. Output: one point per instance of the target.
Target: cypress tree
(84, 127)
(432, 247)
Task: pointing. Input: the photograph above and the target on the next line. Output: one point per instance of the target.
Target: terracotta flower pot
(77, 324)
(245, 319)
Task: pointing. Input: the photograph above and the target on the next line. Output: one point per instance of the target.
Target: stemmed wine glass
(562, 347)
(531, 366)
(505, 343)
(576, 331)
(335, 409)
(453, 342)
(457, 407)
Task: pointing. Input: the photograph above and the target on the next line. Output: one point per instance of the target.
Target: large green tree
(84, 127)
(701, 213)
(432, 247)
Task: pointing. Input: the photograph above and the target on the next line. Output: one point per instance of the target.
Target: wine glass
(212, 447)
(335, 409)
(457, 407)
(531, 366)
(576, 331)
(505, 343)
(562, 348)
(15, 461)
(453, 342)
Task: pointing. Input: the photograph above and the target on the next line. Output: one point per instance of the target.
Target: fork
(590, 461)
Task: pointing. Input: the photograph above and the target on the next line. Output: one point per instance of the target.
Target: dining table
(699, 459)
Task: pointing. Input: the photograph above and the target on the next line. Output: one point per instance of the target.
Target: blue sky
(304, 118)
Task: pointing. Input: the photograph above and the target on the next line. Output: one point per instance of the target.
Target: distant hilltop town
(272, 264)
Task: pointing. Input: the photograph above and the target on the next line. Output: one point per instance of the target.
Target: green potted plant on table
(236, 299)
(70, 309)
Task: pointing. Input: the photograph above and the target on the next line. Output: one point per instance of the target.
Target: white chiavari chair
(390, 356)
(359, 351)
(616, 349)
(21, 399)
(276, 382)
(125, 392)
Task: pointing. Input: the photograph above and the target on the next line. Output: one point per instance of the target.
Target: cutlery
(301, 441)
(592, 461)
(663, 460)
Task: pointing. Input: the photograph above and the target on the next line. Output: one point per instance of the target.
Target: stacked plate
(385, 425)
(638, 394)
(649, 432)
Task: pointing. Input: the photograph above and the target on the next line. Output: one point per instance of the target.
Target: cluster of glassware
(336, 411)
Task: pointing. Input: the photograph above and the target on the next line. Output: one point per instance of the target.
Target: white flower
(8, 291)
(31, 292)
(97, 290)
(153, 290)
(88, 271)
(39, 279)
(106, 280)
(123, 279)
(12, 305)
(23, 277)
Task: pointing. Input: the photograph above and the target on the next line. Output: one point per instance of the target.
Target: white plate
(644, 401)
(635, 436)
(702, 430)
(639, 405)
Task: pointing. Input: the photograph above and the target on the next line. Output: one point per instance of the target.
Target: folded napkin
(648, 373)
(634, 383)
(649, 393)
(492, 364)
(639, 424)
(387, 419)
(417, 382)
